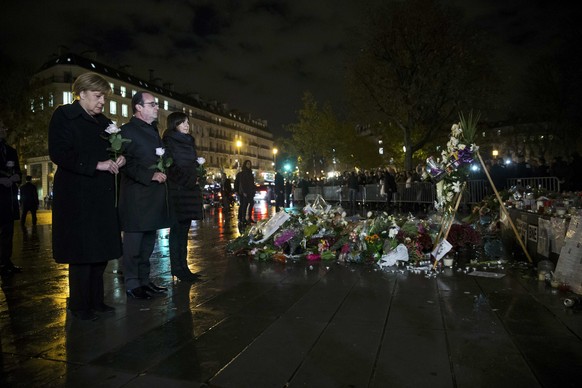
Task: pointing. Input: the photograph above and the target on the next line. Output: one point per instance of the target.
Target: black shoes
(84, 315)
(152, 288)
(187, 276)
(10, 270)
(138, 293)
(103, 308)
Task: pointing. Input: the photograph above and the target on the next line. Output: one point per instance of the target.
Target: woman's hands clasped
(111, 166)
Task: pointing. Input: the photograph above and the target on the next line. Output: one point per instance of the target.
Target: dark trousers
(137, 249)
(6, 237)
(245, 211)
(25, 211)
(279, 200)
(179, 246)
(86, 285)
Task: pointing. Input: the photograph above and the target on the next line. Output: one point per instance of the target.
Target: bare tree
(418, 68)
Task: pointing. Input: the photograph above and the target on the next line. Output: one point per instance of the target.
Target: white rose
(160, 151)
(201, 160)
(112, 128)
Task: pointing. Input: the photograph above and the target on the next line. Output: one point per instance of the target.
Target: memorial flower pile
(327, 234)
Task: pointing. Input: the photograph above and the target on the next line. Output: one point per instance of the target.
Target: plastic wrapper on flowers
(400, 253)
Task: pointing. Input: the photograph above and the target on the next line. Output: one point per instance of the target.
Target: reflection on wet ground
(256, 324)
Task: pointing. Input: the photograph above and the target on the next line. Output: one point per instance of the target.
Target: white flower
(201, 160)
(393, 232)
(160, 151)
(457, 186)
(112, 128)
(10, 164)
(456, 130)
(461, 146)
(369, 214)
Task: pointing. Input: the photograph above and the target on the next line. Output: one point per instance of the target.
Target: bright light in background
(404, 149)
(475, 167)
(495, 153)
(287, 167)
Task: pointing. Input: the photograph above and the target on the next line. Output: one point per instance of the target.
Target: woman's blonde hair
(90, 81)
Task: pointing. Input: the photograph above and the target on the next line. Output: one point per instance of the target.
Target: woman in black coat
(184, 189)
(85, 229)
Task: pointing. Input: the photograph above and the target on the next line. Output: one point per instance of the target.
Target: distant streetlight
(238, 146)
(495, 153)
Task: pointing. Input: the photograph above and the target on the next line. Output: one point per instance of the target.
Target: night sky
(258, 56)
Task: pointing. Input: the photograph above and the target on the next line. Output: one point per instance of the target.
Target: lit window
(112, 86)
(166, 105)
(133, 92)
(51, 100)
(113, 107)
(122, 91)
(67, 97)
(32, 105)
(124, 110)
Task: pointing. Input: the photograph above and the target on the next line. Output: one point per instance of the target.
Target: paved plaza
(257, 324)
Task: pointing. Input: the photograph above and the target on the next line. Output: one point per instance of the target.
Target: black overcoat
(85, 227)
(185, 193)
(9, 165)
(143, 203)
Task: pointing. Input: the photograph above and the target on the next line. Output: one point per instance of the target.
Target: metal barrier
(422, 192)
(549, 183)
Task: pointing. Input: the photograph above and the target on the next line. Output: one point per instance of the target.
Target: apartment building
(224, 137)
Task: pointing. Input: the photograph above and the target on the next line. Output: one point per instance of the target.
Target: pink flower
(313, 256)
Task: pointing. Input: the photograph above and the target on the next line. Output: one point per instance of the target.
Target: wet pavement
(256, 324)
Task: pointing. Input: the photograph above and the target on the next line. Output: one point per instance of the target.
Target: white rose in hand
(160, 151)
(112, 128)
(201, 160)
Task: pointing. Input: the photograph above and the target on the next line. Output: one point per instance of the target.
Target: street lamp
(238, 145)
(275, 158)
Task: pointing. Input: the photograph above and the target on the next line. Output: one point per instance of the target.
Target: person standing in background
(143, 204)
(10, 175)
(184, 190)
(85, 229)
(279, 191)
(28, 201)
(244, 185)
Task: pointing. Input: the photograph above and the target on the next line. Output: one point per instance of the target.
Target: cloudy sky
(259, 56)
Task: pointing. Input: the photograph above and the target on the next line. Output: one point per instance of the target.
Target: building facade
(224, 137)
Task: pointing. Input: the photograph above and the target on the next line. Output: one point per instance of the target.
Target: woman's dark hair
(245, 164)
(174, 119)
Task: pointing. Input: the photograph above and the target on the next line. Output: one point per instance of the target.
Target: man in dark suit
(9, 211)
(143, 205)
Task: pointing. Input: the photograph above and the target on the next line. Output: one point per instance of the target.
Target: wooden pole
(502, 206)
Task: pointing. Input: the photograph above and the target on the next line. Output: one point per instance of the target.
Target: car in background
(264, 192)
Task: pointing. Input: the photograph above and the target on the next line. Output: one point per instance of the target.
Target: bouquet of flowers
(452, 169)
